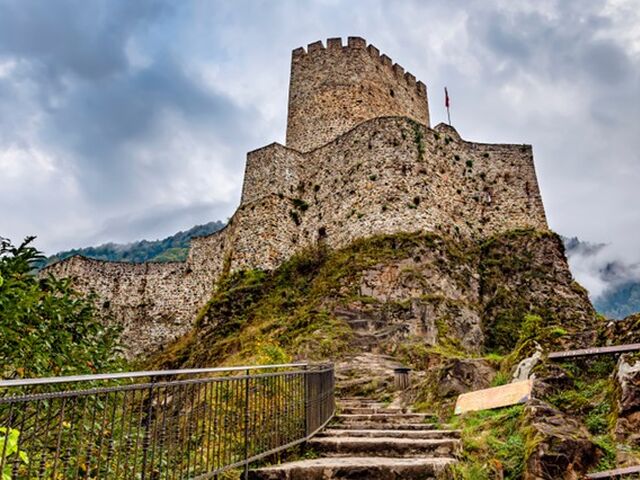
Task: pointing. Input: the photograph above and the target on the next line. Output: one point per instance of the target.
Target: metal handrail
(173, 424)
(22, 382)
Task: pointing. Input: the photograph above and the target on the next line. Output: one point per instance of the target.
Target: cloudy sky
(122, 120)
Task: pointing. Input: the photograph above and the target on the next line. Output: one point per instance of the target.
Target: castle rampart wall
(393, 175)
(333, 89)
(154, 302)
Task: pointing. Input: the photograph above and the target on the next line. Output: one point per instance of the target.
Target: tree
(46, 326)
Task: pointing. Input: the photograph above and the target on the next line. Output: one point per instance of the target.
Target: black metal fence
(177, 424)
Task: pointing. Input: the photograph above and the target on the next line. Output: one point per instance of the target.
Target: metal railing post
(306, 400)
(146, 440)
(246, 425)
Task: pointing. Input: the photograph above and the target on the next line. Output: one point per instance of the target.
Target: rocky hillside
(465, 316)
(403, 295)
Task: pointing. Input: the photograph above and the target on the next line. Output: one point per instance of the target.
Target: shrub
(47, 327)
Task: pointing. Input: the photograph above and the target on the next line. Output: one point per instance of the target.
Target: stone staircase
(371, 442)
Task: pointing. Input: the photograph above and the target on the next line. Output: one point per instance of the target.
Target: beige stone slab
(503, 396)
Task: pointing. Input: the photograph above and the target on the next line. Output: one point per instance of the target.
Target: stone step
(373, 433)
(377, 468)
(384, 418)
(383, 426)
(384, 446)
(358, 399)
(369, 410)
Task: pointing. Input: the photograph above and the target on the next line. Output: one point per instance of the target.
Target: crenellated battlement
(335, 87)
(357, 43)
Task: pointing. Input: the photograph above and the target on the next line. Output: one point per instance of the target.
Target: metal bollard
(401, 380)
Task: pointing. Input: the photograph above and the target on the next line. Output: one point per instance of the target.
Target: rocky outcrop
(628, 398)
(459, 376)
(405, 295)
(523, 273)
(561, 448)
(620, 332)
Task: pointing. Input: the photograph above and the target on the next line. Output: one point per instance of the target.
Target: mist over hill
(170, 249)
(613, 283)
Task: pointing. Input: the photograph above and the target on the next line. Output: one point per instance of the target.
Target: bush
(47, 327)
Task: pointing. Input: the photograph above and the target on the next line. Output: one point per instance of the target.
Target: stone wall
(363, 174)
(333, 89)
(154, 302)
(388, 175)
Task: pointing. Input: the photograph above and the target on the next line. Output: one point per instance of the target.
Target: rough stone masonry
(361, 159)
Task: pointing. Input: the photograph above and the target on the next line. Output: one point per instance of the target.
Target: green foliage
(609, 449)
(9, 449)
(175, 254)
(501, 378)
(494, 445)
(169, 249)
(418, 138)
(46, 327)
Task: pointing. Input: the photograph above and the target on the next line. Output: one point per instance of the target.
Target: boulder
(628, 398)
(464, 375)
(561, 447)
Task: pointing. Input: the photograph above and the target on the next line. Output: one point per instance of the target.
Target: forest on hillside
(170, 249)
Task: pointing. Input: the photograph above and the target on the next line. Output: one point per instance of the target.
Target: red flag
(446, 97)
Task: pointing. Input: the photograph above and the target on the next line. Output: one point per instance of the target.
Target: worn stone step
(373, 433)
(355, 404)
(385, 418)
(358, 399)
(384, 426)
(384, 446)
(376, 468)
(369, 410)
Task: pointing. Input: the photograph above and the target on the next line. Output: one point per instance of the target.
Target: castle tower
(333, 89)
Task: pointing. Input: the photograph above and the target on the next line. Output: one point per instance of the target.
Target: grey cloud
(87, 39)
(146, 148)
(127, 112)
(154, 222)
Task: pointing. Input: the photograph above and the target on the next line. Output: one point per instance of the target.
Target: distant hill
(621, 295)
(170, 249)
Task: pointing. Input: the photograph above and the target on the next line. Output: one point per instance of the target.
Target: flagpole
(447, 104)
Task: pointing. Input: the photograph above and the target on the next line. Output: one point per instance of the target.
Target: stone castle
(360, 159)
